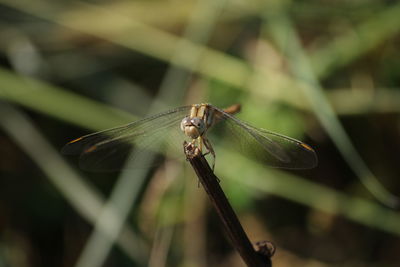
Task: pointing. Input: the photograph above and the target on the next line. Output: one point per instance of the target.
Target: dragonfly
(109, 149)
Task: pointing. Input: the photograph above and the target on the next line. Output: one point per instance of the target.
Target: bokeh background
(325, 72)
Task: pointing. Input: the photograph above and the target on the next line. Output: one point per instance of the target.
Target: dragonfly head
(193, 127)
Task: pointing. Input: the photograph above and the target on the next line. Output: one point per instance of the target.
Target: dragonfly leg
(210, 149)
(200, 141)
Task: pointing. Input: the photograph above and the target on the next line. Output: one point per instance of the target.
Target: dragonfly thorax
(193, 127)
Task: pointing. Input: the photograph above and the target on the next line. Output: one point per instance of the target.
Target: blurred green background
(325, 72)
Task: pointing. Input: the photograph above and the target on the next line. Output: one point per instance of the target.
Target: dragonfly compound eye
(199, 124)
(185, 122)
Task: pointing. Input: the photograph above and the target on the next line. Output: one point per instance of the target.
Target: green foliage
(299, 68)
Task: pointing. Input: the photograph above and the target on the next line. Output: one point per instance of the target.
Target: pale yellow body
(200, 119)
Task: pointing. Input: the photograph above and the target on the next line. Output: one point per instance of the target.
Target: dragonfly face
(201, 118)
(193, 127)
(107, 150)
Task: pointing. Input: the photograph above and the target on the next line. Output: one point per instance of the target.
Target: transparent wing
(273, 149)
(108, 150)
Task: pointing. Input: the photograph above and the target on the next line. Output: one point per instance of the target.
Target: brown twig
(232, 225)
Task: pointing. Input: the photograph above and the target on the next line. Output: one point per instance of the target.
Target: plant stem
(228, 217)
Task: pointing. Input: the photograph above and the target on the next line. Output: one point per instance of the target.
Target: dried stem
(232, 225)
